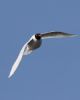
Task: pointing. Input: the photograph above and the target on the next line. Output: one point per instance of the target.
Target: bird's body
(35, 42)
(32, 45)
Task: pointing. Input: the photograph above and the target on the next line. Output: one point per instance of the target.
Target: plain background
(52, 72)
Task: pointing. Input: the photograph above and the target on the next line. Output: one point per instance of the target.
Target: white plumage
(34, 43)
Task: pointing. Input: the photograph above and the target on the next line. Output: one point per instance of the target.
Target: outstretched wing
(18, 60)
(57, 35)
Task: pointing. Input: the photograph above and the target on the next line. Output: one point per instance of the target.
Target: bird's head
(38, 36)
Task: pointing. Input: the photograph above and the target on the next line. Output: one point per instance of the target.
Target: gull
(35, 42)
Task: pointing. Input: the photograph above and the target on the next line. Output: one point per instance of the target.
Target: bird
(34, 43)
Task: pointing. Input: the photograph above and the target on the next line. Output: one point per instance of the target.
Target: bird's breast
(34, 44)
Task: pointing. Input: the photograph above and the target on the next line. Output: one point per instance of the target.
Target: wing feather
(57, 35)
(17, 62)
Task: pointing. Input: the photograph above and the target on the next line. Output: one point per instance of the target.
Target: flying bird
(34, 43)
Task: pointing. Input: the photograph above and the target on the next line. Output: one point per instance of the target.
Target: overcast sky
(52, 72)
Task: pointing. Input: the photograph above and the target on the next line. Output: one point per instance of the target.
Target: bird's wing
(57, 35)
(18, 60)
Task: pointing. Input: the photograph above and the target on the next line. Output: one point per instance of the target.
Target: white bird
(34, 43)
